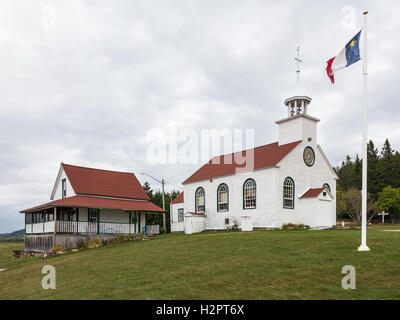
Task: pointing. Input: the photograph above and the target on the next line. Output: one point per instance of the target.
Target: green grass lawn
(6, 250)
(221, 265)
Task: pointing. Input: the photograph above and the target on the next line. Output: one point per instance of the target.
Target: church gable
(309, 159)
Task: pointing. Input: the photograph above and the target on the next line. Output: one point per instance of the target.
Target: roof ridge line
(264, 145)
(82, 167)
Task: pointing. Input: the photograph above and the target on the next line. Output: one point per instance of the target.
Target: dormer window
(64, 188)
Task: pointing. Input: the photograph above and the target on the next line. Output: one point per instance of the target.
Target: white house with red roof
(288, 181)
(88, 202)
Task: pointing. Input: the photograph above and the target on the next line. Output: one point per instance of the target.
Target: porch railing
(40, 227)
(101, 227)
(88, 227)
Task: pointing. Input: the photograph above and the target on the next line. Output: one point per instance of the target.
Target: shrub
(94, 243)
(121, 238)
(81, 243)
(292, 226)
(57, 248)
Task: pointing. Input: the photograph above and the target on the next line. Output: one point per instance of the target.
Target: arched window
(249, 194)
(223, 197)
(288, 193)
(200, 200)
(327, 187)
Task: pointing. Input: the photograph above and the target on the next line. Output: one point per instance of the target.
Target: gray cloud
(86, 85)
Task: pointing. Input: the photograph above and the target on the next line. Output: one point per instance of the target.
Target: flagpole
(363, 246)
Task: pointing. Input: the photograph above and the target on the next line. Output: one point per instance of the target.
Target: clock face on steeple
(309, 156)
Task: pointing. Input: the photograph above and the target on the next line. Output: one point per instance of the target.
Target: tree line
(156, 198)
(383, 187)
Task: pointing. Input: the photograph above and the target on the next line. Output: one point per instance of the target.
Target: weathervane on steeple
(298, 65)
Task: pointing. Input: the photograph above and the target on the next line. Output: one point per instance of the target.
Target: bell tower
(298, 125)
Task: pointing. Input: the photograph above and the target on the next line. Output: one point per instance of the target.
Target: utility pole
(162, 181)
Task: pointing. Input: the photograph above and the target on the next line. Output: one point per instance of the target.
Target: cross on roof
(298, 65)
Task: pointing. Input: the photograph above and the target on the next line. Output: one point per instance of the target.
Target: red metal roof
(264, 156)
(99, 182)
(178, 198)
(312, 193)
(99, 203)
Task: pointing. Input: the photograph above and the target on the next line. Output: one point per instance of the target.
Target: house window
(249, 194)
(288, 193)
(327, 187)
(64, 188)
(223, 198)
(93, 214)
(180, 215)
(200, 200)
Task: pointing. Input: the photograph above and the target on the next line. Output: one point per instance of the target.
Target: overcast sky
(84, 82)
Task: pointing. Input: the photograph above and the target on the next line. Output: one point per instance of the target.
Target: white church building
(289, 181)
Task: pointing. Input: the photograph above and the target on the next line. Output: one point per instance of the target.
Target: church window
(180, 215)
(249, 194)
(223, 197)
(288, 193)
(200, 200)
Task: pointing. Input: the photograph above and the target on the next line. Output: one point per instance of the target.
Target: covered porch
(91, 215)
(79, 220)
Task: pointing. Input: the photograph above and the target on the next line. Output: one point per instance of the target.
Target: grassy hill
(13, 236)
(221, 265)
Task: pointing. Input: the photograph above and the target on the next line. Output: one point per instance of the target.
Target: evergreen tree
(383, 172)
(346, 175)
(374, 182)
(156, 198)
(357, 173)
(386, 165)
(147, 188)
(396, 167)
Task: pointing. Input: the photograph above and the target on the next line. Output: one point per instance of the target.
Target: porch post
(134, 221)
(98, 221)
(139, 222)
(77, 219)
(55, 226)
(130, 221)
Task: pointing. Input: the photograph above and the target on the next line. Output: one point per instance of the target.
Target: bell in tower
(297, 105)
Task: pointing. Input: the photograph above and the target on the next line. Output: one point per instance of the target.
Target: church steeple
(297, 104)
(298, 125)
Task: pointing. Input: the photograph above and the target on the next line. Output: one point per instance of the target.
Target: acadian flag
(349, 55)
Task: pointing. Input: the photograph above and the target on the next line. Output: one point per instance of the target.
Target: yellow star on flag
(352, 43)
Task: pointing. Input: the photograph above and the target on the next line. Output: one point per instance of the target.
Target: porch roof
(312, 193)
(99, 203)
